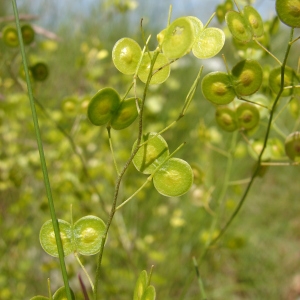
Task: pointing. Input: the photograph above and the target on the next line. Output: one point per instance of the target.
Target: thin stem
(265, 49)
(201, 286)
(280, 164)
(254, 103)
(295, 40)
(42, 158)
(49, 289)
(209, 20)
(123, 171)
(170, 14)
(112, 149)
(84, 270)
(237, 6)
(259, 161)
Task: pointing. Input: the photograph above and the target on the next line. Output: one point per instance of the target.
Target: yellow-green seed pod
(226, 118)
(27, 34)
(103, 106)
(288, 12)
(61, 294)
(179, 38)
(254, 20)
(292, 146)
(125, 115)
(10, 36)
(217, 88)
(247, 77)
(248, 116)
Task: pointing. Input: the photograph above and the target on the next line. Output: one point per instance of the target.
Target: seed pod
(48, 241)
(61, 294)
(238, 26)
(39, 71)
(125, 115)
(88, 232)
(161, 62)
(217, 88)
(174, 178)
(126, 54)
(254, 20)
(220, 13)
(179, 38)
(152, 154)
(247, 115)
(289, 79)
(103, 106)
(247, 76)
(226, 118)
(292, 146)
(27, 34)
(288, 12)
(198, 25)
(10, 36)
(208, 43)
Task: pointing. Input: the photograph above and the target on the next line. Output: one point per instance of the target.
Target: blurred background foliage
(258, 258)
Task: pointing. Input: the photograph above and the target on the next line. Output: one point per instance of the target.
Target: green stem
(201, 286)
(112, 149)
(120, 177)
(265, 49)
(42, 158)
(84, 270)
(244, 196)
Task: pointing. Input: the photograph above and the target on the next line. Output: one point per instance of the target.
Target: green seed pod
(152, 154)
(140, 286)
(61, 294)
(226, 118)
(88, 233)
(247, 77)
(198, 25)
(179, 38)
(48, 241)
(103, 106)
(125, 115)
(174, 178)
(292, 146)
(39, 71)
(294, 107)
(220, 13)
(208, 43)
(27, 34)
(217, 88)
(160, 36)
(126, 55)
(254, 20)
(10, 36)
(69, 106)
(161, 62)
(288, 12)
(238, 26)
(247, 115)
(289, 79)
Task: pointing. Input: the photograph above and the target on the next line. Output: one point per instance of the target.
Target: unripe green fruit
(39, 71)
(10, 36)
(254, 20)
(27, 34)
(238, 26)
(226, 118)
(292, 146)
(247, 115)
(288, 12)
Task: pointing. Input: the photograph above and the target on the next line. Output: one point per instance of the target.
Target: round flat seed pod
(161, 62)
(254, 20)
(288, 12)
(125, 115)
(247, 77)
(275, 80)
(294, 107)
(208, 43)
(198, 25)
(174, 178)
(238, 26)
(226, 118)
(103, 106)
(179, 38)
(61, 294)
(217, 88)
(47, 238)
(140, 286)
(27, 34)
(292, 146)
(152, 154)
(247, 115)
(149, 293)
(126, 54)
(39, 71)
(160, 36)
(220, 13)
(88, 233)
(10, 36)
